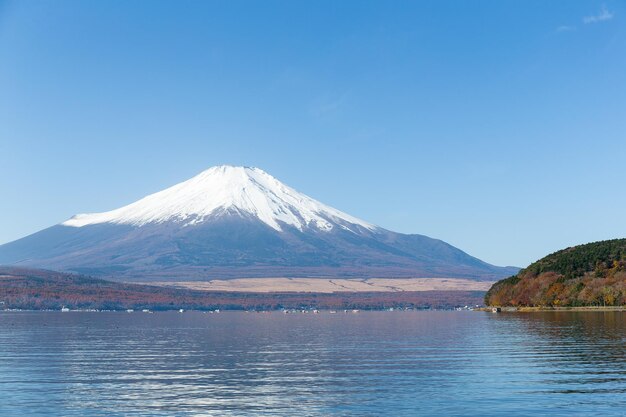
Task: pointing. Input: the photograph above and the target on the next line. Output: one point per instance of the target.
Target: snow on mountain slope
(223, 189)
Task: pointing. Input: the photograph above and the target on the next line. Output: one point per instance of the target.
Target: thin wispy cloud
(565, 28)
(328, 105)
(603, 16)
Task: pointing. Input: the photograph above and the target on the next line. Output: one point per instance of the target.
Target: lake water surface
(365, 364)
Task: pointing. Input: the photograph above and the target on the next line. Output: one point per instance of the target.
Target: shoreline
(301, 310)
(543, 309)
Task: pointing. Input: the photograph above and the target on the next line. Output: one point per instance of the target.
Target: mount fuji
(237, 222)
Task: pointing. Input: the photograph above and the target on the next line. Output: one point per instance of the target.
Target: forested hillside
(587, 275)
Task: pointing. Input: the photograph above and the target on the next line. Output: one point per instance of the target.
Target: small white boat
(130, 310)
(65, 309)
(181, 310)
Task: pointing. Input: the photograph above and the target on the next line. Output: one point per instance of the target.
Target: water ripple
(368, 364)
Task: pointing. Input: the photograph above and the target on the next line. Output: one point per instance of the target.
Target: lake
(367, 364)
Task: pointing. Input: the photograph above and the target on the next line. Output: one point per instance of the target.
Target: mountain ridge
(237, 222)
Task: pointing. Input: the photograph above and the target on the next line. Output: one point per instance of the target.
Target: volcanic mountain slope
(240, 222)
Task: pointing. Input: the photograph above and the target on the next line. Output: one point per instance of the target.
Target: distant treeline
(40, 290)
(587, 275)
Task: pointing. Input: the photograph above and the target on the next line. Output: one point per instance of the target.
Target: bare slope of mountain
(238, 222)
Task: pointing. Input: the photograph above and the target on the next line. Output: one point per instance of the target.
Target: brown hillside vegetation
(587, 275)
(38, 289)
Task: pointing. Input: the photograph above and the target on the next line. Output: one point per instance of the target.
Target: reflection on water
(372, 363)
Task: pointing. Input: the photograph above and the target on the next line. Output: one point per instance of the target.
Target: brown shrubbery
(36, 289)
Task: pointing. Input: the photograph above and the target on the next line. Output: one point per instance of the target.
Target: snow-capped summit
(227, 189)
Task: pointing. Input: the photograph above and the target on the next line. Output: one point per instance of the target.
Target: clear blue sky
(497, 126)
